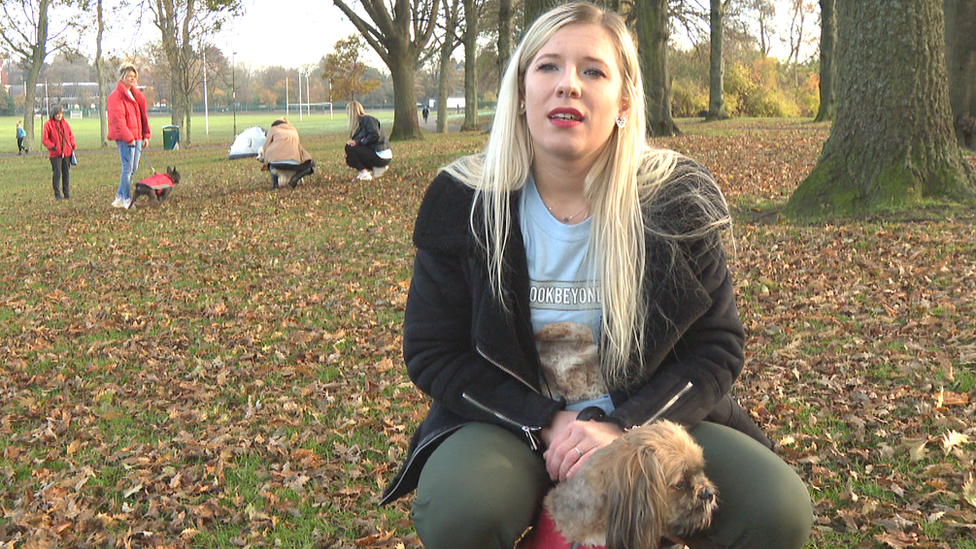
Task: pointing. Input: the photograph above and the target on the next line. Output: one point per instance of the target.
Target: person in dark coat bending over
(368, 149)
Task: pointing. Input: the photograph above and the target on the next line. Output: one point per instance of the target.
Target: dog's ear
(637, 500)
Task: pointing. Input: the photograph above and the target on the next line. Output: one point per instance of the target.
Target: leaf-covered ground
(224, 370)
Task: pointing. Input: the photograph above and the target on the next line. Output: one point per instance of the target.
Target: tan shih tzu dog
(646, 485)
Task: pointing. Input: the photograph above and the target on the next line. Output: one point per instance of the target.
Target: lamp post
(233, 85)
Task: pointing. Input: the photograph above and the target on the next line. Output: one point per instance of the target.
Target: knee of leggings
(450, 529)
(782, 521)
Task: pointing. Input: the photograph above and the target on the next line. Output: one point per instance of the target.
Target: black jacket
(370, 133)
(479, 363)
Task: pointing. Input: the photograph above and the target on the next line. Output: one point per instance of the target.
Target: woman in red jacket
(60, 143)
(128, 126)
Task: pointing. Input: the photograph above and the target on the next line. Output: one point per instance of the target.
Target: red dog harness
(157, 182)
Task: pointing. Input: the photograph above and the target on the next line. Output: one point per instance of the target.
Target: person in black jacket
(571, 249)
(368, 149)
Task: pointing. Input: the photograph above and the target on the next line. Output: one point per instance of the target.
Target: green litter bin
(171, 137)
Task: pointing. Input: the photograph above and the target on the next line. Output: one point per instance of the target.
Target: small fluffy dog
(157, 186)
(648, 484)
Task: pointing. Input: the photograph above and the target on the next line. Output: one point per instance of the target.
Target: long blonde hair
(627, 174)
(355, 111)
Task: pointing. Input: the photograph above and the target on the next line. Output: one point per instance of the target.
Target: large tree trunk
(100, 75)
(892, 142)
(828, 73)
(535, 8)
(716, 69)
(652, 39)
(470, 39)
(506, 30)
(443, 75)
(405, 123)
(961, 57)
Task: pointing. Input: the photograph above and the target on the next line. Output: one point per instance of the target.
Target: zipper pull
(534, 441)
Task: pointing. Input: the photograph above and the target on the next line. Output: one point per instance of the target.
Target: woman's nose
(568, 85)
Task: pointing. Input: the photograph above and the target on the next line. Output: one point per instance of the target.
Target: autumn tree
(716, 71)
(653, 32)
(345, 70)
(961, 56)
(183, 24)
(892, 142)
(451, 18)
(472, 12)
(506, 35)
(25, 29)
(828, 72)
(399, 36)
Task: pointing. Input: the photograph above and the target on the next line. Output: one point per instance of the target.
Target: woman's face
(130, 79)
(573, 94)
(58, 115)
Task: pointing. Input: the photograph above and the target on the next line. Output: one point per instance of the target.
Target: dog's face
(659, 479)
(173, 174)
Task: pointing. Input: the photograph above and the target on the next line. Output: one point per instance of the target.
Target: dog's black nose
(707, 494)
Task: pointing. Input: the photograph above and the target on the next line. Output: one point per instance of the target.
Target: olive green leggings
(482, 487)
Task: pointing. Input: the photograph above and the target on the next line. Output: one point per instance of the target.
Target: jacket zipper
(529, 432)
(669, 404)
(504, 369)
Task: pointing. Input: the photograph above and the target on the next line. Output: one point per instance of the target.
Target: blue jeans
(129, 155)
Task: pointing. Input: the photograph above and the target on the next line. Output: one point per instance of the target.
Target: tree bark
(828, 74)
(716, 69)
(652, 39)
(100, 75)
(535, 8)
(447, 48)
(961, 56)
(506, 31)
(892, 142)
(470, 39)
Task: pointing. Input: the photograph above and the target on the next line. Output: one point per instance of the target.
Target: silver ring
(579, 453)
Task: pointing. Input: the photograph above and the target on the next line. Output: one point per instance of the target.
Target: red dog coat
(157, 182)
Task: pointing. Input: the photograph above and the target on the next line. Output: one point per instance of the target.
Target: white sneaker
(378, 171)
(364, 176)
(117, 203)
(127, 203)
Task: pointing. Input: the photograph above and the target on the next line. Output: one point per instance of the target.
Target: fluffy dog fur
(156, 192)
(648, 484)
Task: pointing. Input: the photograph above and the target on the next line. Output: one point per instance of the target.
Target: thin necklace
(565, 219)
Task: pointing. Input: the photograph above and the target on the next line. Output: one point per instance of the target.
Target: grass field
(224, 370)
(221, 127)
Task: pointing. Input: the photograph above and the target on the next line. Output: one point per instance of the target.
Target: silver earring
(621, 121)
(522, 107)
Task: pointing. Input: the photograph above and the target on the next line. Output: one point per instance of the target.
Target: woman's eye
(595, 72)
(546, 67)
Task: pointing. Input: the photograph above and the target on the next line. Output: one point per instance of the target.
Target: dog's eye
(681, 485)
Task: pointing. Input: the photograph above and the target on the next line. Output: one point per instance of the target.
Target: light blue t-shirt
(564, 300)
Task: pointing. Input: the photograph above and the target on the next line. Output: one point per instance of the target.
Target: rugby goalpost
(306, 105)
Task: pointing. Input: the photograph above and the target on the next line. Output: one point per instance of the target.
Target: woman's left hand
(351, 143)
(572, 446)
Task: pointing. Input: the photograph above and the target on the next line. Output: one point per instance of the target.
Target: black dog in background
(157, 186)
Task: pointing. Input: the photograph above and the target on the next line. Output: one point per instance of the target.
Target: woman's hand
(351, 143)
(571, 443)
